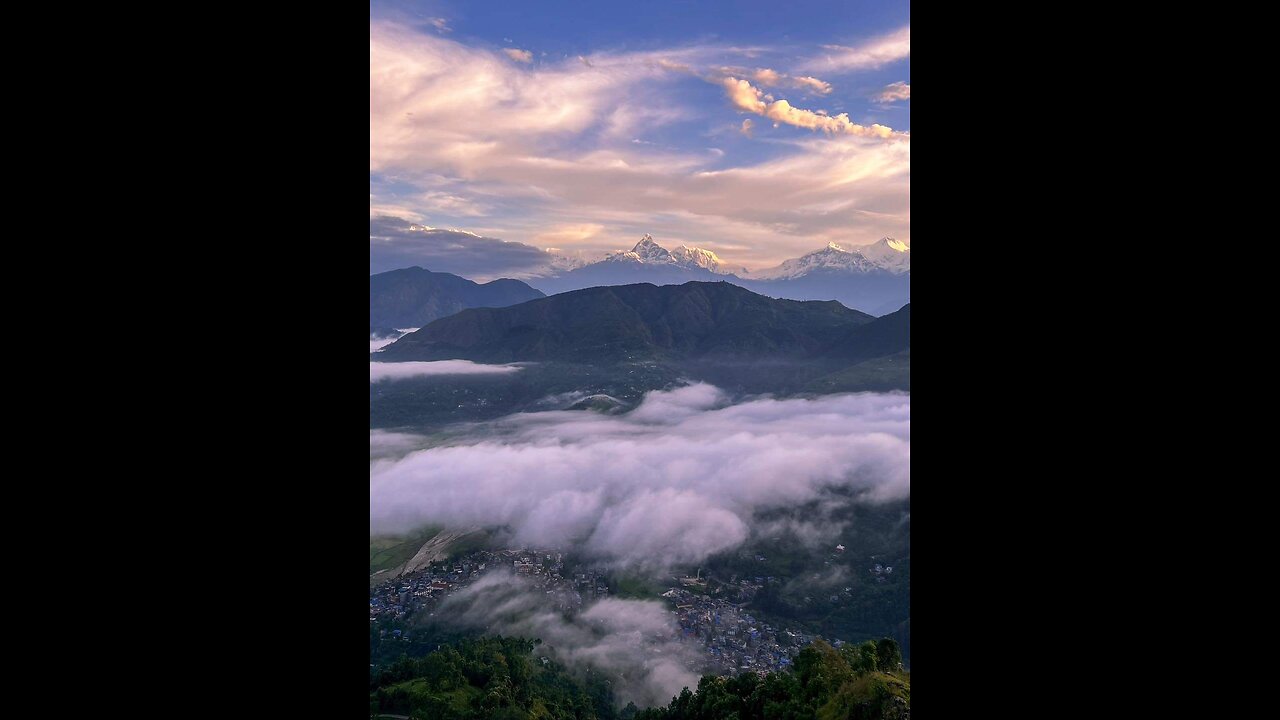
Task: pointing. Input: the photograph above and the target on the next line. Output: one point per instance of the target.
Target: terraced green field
(389, 551)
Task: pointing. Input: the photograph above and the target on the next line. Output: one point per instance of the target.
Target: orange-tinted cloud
(523, 56)
(894, 92)
(745, 96)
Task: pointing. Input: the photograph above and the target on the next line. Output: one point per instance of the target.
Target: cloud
(674, 481)
(441, 24)
(770, 78)
(453, 205)
(524, 149)
(812, 529)
(666, 64)
(450, 107)
(376, 343)
(840, 188)
(631, 641)
(746, 127)
(894, 92)
(767, 77)
(397, 243)
(870, 55)
(523, 56)
(383, 443)
(814, 84)
(393, 211)
(745, 96)
(569, 233)
(379, 371)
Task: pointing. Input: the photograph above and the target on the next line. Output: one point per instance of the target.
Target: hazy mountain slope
(413, 297)
(874, 292)
(883, 336)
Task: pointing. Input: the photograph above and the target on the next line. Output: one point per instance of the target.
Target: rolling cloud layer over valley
(674, 481)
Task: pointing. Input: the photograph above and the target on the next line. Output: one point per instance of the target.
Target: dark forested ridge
(627, 340)
(882, 337)
(498, 677)
(696, 320)
(413, 297)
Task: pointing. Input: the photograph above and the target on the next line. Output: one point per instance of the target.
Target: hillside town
(422, 591)
(729, 639)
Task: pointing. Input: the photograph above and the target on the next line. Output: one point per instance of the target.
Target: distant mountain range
(413, 297)
(888, 255)
(874, 278)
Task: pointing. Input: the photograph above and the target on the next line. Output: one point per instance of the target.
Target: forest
(507, 678)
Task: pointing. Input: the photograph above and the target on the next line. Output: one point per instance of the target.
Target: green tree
(888, 655)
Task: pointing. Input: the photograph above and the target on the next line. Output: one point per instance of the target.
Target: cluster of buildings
(731, 639)
(399, 597)
(422, 590)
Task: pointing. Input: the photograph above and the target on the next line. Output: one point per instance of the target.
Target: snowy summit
(648, 252)
(887, 254)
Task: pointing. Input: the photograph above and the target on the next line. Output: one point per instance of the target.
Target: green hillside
(508, 678)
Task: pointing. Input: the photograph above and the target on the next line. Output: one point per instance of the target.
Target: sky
(759, 131)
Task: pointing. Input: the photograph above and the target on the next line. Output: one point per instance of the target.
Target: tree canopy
(497, 677)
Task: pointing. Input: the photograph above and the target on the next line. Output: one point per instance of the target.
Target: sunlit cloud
(814, 84)
(745, 96)
(523, 56)
(517, 151)
(894, 92)
(869, 55)
(448, 204)
(767, 77)
(570, 234)
(379, 371)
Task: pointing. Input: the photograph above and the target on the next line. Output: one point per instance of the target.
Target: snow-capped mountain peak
(648, 252)
(890, 254)
(887, 254)
(697, 257)
(562, 263)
